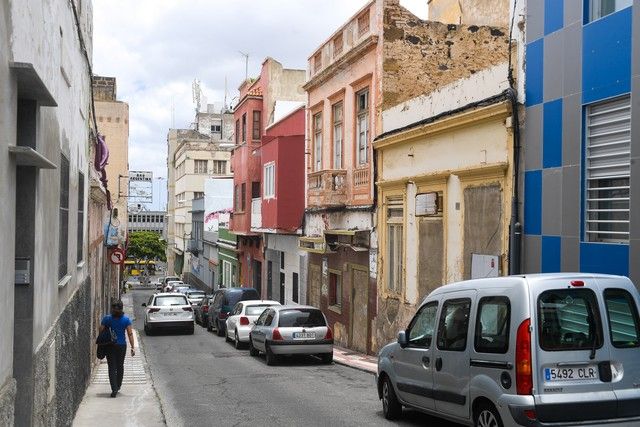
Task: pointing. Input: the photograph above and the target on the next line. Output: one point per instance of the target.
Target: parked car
(201, 310)
(165, 281)
(550, 349)
(223, 302)
(194, 296)
(172, 285)
(241, 320)
(291, 329)
(167, 311)
(182, 289)
(159, 286)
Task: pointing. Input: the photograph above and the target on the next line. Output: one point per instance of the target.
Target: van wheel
(391, 407)
(209, 328)
(487, 416)
(219, 330)
(272, 359)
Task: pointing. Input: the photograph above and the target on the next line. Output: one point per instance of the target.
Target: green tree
(146, 245)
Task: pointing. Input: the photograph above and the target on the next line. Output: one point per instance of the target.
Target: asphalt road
(202, 380)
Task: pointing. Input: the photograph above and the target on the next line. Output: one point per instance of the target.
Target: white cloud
(155, 48)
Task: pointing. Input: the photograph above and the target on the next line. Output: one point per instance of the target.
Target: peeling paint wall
(479, 12)
(421, 56)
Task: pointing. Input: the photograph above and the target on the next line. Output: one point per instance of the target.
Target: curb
(357, 368)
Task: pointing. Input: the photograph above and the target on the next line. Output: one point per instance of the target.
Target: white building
(45, 122)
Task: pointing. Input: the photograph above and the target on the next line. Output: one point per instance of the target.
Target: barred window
(608, 166)
(395, 247)
(200, 166)
(256, 124)
(317, 142)
(64, 217)
(337, 135)
(219, 167)
(362, 121)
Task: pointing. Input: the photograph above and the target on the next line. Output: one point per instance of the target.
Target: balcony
(328, 188)
(361, 177)
(256, 214)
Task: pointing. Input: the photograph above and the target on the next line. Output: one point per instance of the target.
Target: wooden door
(359, 308)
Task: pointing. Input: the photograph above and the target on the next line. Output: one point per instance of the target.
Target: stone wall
(7, 400)
(62, 363)
(478, 12)
(422, 56)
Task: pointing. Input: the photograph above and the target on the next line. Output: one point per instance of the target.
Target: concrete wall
(478, 12)
(44, 35)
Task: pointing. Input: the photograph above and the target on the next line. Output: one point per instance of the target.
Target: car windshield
(255, 310)
(569, 320)
(163, 301)
(301, 317)
(196, 294)
(236, 297)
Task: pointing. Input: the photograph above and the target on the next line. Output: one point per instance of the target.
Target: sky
(156, 48)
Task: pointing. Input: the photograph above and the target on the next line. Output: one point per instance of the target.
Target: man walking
(118, 323)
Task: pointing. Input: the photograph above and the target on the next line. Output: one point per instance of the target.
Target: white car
(241, 320)
(168, 311)
(194, 296)
(172, 285)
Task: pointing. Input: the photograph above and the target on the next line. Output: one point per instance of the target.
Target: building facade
(46, 299)
(192, 158)
(581, 212)
(263, 101)
(113, 124)
(279, 212)
(147, 221)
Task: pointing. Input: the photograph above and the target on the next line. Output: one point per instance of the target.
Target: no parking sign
(117, 256)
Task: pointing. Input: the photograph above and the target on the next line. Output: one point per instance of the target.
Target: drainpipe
(515, 227)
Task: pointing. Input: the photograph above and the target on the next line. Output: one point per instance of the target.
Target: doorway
(359, 308)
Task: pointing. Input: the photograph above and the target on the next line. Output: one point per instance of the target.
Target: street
(202, 379)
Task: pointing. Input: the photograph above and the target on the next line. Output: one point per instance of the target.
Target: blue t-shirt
(119, 326)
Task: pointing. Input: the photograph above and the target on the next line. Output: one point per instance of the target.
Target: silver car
(291, 329)
(168, 311)
(537, 350)
(194, 296)
(242, 318)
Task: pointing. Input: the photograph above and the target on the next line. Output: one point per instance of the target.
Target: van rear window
(569, 320)
(623, 318)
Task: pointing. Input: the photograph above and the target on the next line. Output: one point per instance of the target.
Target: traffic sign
(117, 256)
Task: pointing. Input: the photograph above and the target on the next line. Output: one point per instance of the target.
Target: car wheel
(327, 358)
(209, 328)
(219, 329)
(391, 407)
(252, 350)
(487, 416)
(272, 359)
(236, 341)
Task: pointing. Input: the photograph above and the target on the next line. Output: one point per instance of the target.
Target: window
(198, 194)
(421, 328)
(335, 289)
(569, 320)
(226, 274)
(317, 62)
(454, 325)
(601, 8)
(624, 325)
(256, 125)
(395, 246)
(244, 127)
(255, 190)
(243, 196)
(338, 45)
(317, 142)
(255, 310)
(216, 128)
(219, 167)
(269, 319)
(295, 288)
(492, 325)
(362, 122)
(237, 136)
(301, 317)
(262, 318)
(281, 260)
(236, 191)
(363, 23)
(200, 166)
(337, 135)
(64, 217)
(607, 172)
(269, 180)
(80, 248)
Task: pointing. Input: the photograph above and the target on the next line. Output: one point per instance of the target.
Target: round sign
(117, 256)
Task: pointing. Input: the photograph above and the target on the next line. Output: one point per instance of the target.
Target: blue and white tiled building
(582, 137)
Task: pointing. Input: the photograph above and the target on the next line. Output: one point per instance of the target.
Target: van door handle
(426, 360)
(438, 363)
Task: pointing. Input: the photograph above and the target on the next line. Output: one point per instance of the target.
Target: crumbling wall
(421, 56)
(478, 12)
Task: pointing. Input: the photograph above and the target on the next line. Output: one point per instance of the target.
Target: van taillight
(524, 379)
(244, 321)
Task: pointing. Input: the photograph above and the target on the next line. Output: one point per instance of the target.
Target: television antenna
(246, 65)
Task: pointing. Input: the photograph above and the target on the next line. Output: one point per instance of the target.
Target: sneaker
(113, 393)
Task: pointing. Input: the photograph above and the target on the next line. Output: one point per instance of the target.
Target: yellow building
(444, 193)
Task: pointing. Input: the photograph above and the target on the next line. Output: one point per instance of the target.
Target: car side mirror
(144, 304)
(402, 339)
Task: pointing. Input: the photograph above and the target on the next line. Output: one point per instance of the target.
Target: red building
(261, 101)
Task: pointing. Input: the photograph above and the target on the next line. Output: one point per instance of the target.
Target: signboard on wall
(140, 187)
(426, 204)
(218, 202)
(483, 266)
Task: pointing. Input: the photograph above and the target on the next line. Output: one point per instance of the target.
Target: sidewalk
(136, 404)
(353, 359)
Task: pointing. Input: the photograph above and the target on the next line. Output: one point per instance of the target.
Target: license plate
(171, 314)
(304, 335)
(583, 373)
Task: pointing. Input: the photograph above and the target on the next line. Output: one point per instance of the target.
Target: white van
(537, 350)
